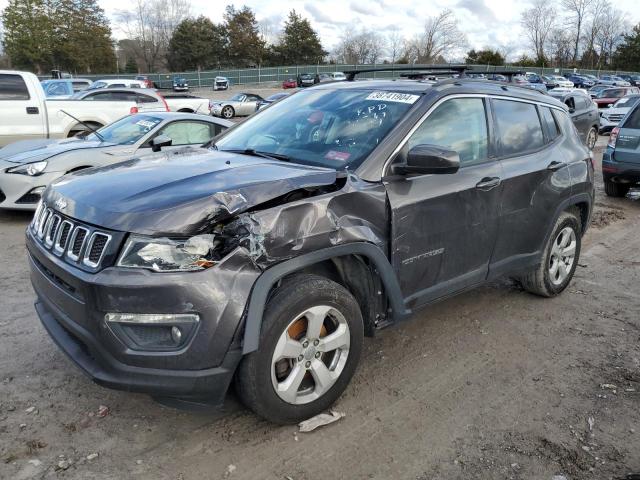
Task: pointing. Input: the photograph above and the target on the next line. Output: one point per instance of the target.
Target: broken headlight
(168, 255)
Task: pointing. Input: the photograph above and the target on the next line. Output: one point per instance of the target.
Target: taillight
(614, 137)
(165, 103)
(133, 110)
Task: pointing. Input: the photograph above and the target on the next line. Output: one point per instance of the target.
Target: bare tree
(395, 44)
(560, 46)
(440, 38)
(537, 23)
(611, 33)
(150, 24)
(591, 29)
(366, 46)
(578, 10)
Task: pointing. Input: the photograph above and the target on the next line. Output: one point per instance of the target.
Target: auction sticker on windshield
(393, 97)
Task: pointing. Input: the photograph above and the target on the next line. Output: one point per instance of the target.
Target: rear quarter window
(12, 87)
(519, 128)
(549, 123)
(633, 120)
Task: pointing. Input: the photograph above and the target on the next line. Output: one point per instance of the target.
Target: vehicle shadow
(15, 216)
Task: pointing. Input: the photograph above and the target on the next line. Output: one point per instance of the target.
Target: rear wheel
(592, 138)
(310, 345)
(559, 258)
(613, 189)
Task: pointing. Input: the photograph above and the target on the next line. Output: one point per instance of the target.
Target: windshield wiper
(256, 153)
(89, 127)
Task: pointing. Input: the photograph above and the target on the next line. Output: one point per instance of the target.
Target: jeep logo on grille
(61, 204)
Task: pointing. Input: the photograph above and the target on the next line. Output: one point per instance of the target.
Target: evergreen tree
(300, 44)
(131, 66)
(627, 55)
(245, 47)
(484, 57)
(197, 44)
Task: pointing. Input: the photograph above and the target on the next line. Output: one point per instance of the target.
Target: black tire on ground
(228, 112)
(539, 281)
(254, 376)
(613, 189)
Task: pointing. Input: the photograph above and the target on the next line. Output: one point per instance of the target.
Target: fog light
(153, 331)
(176, 335)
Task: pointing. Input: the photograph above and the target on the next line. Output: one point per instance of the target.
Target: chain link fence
(275, 75)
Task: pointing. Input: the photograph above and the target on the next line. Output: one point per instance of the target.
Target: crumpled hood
(28, 151)
(180, 192)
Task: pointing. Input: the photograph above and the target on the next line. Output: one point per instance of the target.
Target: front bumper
(15, 186)
(72, 305)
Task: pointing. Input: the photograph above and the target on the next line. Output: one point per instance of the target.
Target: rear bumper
(620, 172)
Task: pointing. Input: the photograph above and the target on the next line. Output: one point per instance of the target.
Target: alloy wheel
(563, 255)
(310, 355)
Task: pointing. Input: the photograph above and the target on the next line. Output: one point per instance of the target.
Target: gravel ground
(492, 384)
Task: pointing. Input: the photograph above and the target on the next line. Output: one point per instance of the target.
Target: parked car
(145, 100)
(29, 166)
(221, 83)
(583, 111)
(338, 76)
(590, 77)
(337, 213)
(634, 80)
(613, 80)
(180, 84)
(116, 83)
(25, 113)
(240, 105)
(276, 97)
(307, 79)
(521, 81)
(145, 81)
(496, 77)
(611, 117)
(533, 77)
(64, 88)
(593, 91)
(184, 102)
(290, 83)
(555, 81)
(580, 81)
(609, 96)
(621, 159)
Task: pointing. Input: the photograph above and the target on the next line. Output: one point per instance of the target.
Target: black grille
(97, 247)
(51, 234)
(64, 235)
(81, 234)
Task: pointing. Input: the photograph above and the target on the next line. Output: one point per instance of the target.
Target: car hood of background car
(180, 192)
(28, 151)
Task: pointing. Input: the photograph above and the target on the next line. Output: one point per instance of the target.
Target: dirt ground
(492, 384)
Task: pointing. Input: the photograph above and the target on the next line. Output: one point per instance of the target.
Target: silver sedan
(29, 166)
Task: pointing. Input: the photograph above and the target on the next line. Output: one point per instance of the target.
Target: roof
(452, 85)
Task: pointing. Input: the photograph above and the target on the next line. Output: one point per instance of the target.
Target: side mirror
(159, 142)
(428, 159)
(572, 110)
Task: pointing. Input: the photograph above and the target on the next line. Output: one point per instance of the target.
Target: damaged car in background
(329, 215)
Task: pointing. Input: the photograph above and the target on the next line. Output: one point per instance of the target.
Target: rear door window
(519, 128)
(12, 87)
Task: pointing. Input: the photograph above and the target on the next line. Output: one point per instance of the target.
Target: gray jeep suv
(326, 217)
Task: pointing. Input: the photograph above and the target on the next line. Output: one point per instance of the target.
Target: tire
(228, 112)
(260, 373)
(613, 189)
(592, 138)
(547, 280)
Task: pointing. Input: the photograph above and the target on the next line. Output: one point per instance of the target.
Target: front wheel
(559, 258)
(228, 112)
(310, 345)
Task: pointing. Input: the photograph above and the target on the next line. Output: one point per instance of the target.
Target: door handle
(553, 166)
(488, 183)
(32, 110)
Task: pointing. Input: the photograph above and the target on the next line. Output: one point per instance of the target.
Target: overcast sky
(494, 23)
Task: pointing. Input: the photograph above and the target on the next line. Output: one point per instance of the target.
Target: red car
(290, 83)
(609, 96)
(145, 80)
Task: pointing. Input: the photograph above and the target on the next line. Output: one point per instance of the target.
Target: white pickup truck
(184, 102)
(25, 114)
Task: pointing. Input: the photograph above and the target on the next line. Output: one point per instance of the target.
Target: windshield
(127, 130)
(238, 97)
(327, 128)
(626, 102)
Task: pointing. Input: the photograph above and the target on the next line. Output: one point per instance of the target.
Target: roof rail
(506, 73)
(351, 74)
(419, 73)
